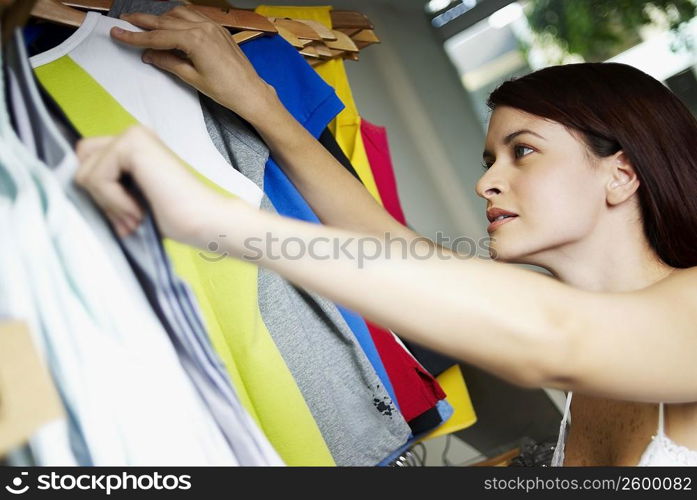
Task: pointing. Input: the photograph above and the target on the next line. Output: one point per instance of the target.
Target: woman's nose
(489, 185)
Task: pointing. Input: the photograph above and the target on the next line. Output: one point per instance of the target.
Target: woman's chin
(500, 253)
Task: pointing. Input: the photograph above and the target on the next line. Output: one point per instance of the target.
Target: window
(490, 41)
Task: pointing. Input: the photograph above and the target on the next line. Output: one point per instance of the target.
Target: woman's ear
(622, 180)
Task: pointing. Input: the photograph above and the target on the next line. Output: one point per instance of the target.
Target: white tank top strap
(661, 425)
(558, 455)
(567, 408)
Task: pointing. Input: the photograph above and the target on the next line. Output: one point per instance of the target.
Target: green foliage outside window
(600, 29)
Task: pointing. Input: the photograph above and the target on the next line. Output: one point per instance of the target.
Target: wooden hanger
(343, 42)
(322, 50)
(103, 5)
(300, 30)
(290, 37)
(63, 12)
(310, 37)
(320, 28)
(310, 52)
(364, 38)
(54, 11)
(344, 19)
(243, 36)
(238, 19)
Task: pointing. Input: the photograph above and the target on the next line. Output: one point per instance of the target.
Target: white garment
(155, 99)
(39, 133)
(50, 444)
(661, 451)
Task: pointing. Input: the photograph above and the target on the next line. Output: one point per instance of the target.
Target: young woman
(594, 170)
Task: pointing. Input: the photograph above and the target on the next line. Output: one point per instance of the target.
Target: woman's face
(538, 170)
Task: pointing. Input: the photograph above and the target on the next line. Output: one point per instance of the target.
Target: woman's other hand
(185, 209)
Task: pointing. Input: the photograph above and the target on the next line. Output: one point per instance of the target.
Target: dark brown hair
(618, 107)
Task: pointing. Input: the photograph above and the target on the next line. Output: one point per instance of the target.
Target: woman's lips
(498, 223)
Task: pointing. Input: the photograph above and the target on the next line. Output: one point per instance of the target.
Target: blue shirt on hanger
(314, 104)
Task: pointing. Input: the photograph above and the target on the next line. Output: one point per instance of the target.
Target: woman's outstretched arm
(522, 326)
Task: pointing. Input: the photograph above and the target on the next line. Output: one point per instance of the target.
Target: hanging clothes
(449, 374)
(378, 152)
(129, 401)
(346, 125)
(314, 104)
(322, 352)
(289, 201)
(333, 373)
(50, 444)
(85, 77)
(170, 298)
(417, 390)
(419, 395)
(327, 140)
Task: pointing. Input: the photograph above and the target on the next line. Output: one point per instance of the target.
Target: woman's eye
(518, 148)
(518, 152)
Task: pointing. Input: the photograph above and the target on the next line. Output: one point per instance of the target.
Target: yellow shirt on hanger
(226, 289)
(346, 127)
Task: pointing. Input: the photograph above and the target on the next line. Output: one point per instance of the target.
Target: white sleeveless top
(661, 451)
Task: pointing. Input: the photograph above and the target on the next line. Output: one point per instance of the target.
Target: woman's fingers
(182, 206)
(103, 163)
(118, 202)
(87, 150)
(171, 62)
(91, 145)
(167, 33)
(121, 227)
(157, 39)
(201, 53)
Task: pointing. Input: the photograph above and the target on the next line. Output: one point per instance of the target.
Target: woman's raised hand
(203, 54)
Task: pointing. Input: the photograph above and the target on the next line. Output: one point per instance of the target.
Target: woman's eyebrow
(510, 137)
